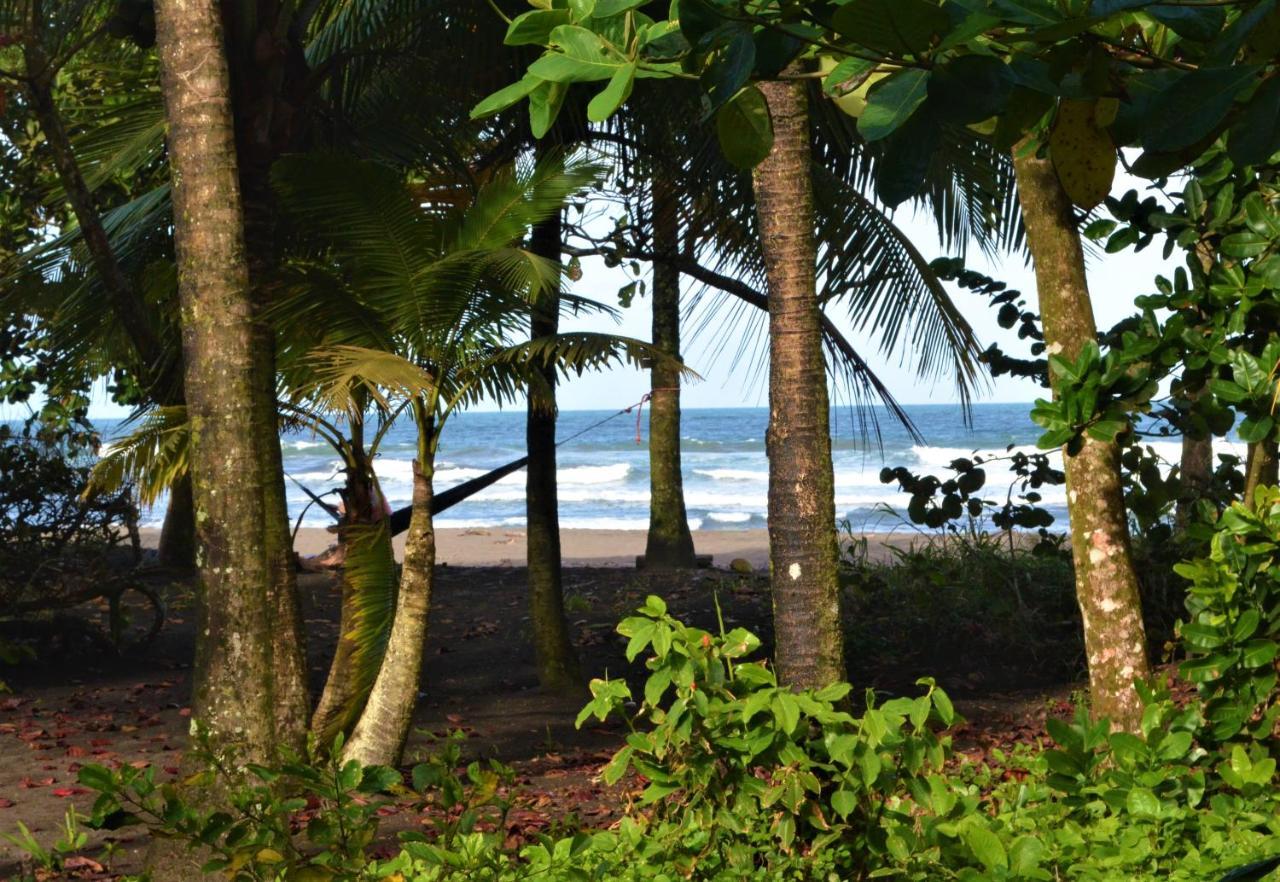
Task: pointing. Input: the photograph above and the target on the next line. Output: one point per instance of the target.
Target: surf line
(399, 519)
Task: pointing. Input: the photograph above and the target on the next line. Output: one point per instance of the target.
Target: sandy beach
(505, 546)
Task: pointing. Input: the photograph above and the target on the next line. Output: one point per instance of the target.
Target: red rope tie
(648, 396)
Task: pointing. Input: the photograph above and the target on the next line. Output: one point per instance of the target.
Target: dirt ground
(76, 705)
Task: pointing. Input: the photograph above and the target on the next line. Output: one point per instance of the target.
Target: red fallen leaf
(77, 751)
(140, 764)
(172, 770)
(69, 791)
(184, 712)
(6, 803)
(79, 862)
(28, 783)
(100, 742)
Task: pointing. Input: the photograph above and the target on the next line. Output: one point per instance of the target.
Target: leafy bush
(1233, 633)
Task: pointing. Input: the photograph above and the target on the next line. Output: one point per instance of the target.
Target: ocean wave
(731, 517)
(732, 474)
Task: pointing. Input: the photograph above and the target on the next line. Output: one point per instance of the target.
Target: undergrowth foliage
(730, 776)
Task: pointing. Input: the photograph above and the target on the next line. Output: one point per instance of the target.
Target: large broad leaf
(544, 106)
(745, 129)
(534, 28)
(970, 89)
(1083, 154)
(895, 27)
(506, 97)
(582, 58)
(902, 170)
(605, 104)
(1194, 106)
(1200, 23)
(1255, 137)
(729, 66)
(891, 103)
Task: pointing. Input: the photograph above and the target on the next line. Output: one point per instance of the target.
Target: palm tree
(237, 615)
(437, 294)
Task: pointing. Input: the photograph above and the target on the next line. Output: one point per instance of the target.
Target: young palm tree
(437, 297)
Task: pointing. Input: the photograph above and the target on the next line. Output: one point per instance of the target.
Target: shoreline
(505, 546)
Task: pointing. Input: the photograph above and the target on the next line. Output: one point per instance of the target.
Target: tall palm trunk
(669, 543)
(380, 735)
(264, 108)
(802, 520)
(553, 652)
(234, 689)
(1106, 584)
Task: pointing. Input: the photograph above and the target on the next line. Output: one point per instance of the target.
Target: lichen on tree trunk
(802, 538)
(669, 543)
(1106, 583)
(556, 661)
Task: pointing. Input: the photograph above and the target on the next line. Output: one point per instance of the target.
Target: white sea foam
(732, 474)
(730, 517)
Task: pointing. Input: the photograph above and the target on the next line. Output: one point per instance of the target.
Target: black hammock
(446, 499)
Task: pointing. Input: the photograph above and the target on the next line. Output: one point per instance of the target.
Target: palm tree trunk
(341, 701)
(233, 682)
(553, 652)
(802, 520)
(177, 546)
(1106, 584)
(380, 735)
(669, 544)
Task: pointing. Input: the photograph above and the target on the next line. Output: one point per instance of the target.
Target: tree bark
(379, 737)
(1106, 584)
(341, 701)
(1261, 468)
(265, 100)
(802, 520)
(1196, 470)
(234, 689)
(556, 661)
(177, 547)
(669, 544)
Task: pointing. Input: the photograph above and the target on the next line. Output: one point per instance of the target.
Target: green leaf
(1245, 244)
(535, 27)
(1254, 429)
(970, 89)
(1193, 106)
(607, 102)
(894, 27)
(844, 802)
(985, 845)
(1143, 803)
(610, 8)
(907, 156)
(544, 106)
(728, 68)
(1255, 137)
(1201, 24)
(506, 97)
(892, 102)
(745, 129)
(582, 57)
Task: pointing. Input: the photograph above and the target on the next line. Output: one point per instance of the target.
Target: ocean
(604, 475)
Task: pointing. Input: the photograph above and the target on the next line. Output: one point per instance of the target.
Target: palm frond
(371, 579)
(152, 457)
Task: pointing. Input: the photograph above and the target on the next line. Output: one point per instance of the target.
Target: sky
(1114, 282)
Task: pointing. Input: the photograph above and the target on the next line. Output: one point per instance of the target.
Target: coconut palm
(435, 298)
